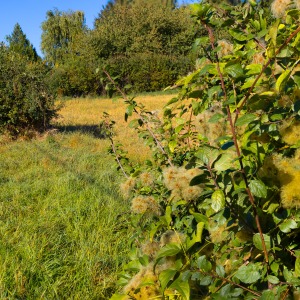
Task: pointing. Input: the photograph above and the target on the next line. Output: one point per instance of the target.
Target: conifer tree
(19, 43)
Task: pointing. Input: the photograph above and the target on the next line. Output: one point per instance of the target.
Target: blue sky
(31, 13)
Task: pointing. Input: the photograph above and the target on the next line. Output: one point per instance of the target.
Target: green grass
(63, 224)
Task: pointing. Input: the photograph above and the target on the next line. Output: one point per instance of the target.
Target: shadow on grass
(93, 130)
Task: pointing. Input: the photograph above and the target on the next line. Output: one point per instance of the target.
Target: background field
(63, 224)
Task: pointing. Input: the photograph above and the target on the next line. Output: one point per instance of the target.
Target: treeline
(147, 44)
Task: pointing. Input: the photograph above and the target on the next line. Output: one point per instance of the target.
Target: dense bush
(216, 211)
(76, 77)
(146, 43)
(148, 71)
(26, 101)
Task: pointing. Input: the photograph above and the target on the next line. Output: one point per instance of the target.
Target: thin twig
(159, 145)
(117, 156)
(286, 293)
(232, 283)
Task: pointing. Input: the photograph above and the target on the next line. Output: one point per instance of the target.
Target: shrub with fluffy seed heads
(192, 173)
(127, 187)
(145, 204)
(218, 234)
(210, 130)
(171, 236)
(289, 177)
(191, 193)
(226, 48)
(258, 58)
(150, 248)
(290, 133)
(146, 274)
(169, 175)
(279, 7)
(146, 179)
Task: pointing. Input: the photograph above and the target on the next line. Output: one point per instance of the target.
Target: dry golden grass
(85, 113)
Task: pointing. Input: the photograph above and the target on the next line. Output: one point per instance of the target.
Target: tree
(112, 3)
(26, 99)
(146, 42)
(59, 31)
(18, 42)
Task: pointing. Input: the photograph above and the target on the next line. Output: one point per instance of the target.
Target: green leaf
(248, 83)
(169, 250)
(245, 119)
(172, 145)
(165, 277)
(273, 279)
(224, 162)
(258, 243)
(214, 90)
(200, 218)
(288, 225)
(119, 297)
(199, 9)
(217, 200)
(127, 86)
(168, 214)
(196, 237)
(253, 69)
(179, 128)
(207, 155)
(182, 287)
(258, 188)
(203, 264)
(173, 100)
(134, 123)
(248, 274)
(235, 70)
(282, 79)
(129, 109)
(220, 270)
(215, 118)
(240, 35)
(262, 33)
(133, 265)
(155, 227)
(267, 295)
(206, 280)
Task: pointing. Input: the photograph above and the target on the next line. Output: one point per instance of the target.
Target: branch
(231, 282)
(117, 157)
(159, 145)
(232, 126)
(237, 112)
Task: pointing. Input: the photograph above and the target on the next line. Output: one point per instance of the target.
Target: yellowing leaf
(282, 80)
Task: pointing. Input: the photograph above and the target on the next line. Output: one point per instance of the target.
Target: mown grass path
(63, 224)
(61, 219)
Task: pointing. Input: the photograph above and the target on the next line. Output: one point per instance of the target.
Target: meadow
(64, 226)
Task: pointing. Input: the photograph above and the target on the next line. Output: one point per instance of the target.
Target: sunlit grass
(64, 231)
(61, 219)
(85, 113)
